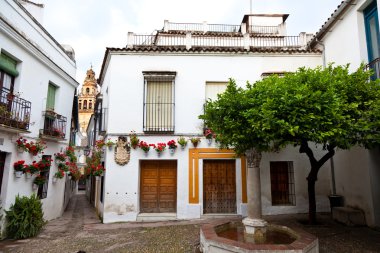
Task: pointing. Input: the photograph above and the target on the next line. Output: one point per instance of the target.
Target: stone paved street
(80, 229)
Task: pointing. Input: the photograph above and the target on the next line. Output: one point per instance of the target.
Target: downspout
(332, 158)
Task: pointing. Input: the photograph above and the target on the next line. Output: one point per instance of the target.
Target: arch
(87, 90)
(90, 105)
(80, 106)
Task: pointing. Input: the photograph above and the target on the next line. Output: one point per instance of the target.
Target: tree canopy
(326, 106)
(331, 107)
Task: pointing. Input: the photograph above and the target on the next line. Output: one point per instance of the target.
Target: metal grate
(54, 125)
(14, 111)
(159, 103)
(375, 67)
(282, 183)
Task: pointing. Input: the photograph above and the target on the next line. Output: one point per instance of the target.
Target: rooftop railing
(222, 28)
(189, 40)
(14, 111)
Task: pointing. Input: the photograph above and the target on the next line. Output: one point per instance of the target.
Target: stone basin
(222, 237)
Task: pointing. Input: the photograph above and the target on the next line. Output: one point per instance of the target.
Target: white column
(188, 40)
(130, 36)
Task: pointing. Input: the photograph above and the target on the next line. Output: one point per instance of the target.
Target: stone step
(349, 216)
(156, 217)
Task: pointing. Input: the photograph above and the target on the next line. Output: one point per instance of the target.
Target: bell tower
(86, 100)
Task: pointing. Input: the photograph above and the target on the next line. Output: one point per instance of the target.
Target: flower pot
(28, 175)
(209, 141)
(183, 147)
(18, 174)
(110, 148)
(195, 144)
(171, 150)
(55, 179)
(34, 187)
(20, 150)
(97, 178)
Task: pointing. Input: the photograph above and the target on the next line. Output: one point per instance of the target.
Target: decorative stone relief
(122, 151)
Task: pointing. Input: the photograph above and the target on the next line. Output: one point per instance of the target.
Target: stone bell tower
(86, 100)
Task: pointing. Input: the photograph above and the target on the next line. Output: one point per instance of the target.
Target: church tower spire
(87, 98)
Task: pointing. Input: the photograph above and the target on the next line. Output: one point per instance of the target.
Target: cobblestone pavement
(80, 229)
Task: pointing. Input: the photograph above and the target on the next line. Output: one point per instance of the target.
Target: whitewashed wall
(40, 61)
(346, 43)
(122, 89)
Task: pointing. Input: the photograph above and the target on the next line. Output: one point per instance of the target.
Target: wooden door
(219, 186)
(158, 186)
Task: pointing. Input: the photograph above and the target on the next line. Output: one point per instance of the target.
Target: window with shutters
(215, 88)
(159, 101)
(282, 183)
(50, 101)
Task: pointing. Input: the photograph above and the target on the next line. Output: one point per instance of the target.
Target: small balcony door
(371, 20)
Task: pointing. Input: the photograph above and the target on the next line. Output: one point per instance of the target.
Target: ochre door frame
(212, 153)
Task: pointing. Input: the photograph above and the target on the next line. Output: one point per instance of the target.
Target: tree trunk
(313, 175)
(312, 202)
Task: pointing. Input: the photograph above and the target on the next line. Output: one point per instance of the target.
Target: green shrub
(24, 218)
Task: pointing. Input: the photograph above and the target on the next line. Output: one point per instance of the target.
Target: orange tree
(330, 107)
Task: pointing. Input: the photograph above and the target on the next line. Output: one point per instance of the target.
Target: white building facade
(351, 36)
(38, 73)
(157, 85)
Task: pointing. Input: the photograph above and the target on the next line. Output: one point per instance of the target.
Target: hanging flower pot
(18, 174)
(28, 175)
(209, 141)
(20, 150)
(171, 150)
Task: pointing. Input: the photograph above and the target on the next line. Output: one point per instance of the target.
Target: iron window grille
(159, 102)
(282, 183)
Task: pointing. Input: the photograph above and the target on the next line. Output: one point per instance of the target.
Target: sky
(89, 26)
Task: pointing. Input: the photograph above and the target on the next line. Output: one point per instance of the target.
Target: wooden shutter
(215, 88)
(50, 101)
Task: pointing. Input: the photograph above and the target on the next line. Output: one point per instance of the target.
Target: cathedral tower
(87, 97)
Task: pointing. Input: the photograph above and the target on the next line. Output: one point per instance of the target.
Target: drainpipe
(332, 158)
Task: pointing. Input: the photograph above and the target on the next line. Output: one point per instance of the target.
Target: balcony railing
(54, 125)
(101, 116)
(191, 40)
(14, 111)
(375, 67)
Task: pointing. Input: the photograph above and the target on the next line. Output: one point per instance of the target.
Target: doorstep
(156, 217)
(221, 215)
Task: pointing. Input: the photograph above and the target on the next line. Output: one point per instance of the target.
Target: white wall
(346, 43)
(40, 61)
(124, 82)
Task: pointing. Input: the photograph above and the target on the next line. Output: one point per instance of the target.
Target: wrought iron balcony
(14, 111)
(54, 125)
(375, 67)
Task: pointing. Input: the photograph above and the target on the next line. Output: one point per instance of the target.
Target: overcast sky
(90, 26)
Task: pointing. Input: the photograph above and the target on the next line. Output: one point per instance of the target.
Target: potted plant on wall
(209, 134)
(195, 141)
(144, 146)
(58, 175)
(134, 139)
(160, 147)
(172, 146)
(109, 143)
(21, 145)
(19, 167)
(38, 181)
(182, 141)
(59, 157)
